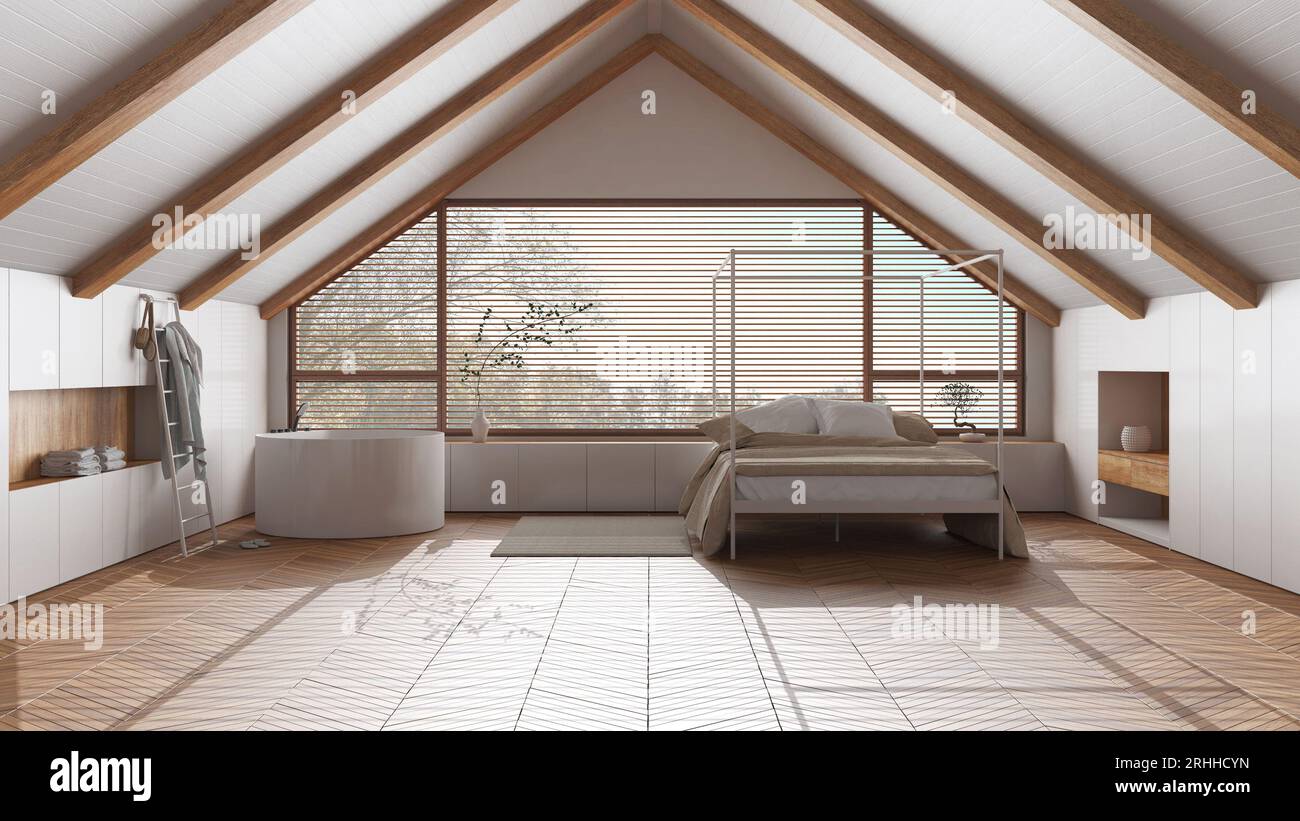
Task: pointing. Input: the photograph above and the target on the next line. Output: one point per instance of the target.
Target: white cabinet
(4, 439)
(1285, 297)
(81, 527)
(33, 330)
(485, 477)
(123, 535)
(620, 476)
(552, 476)
(33, 539)
(239, 353)
(1218, 368)
(122, 363)
(156, 502)
(81, 339)
(1252, 434)
(675, 464)
(1185, 424)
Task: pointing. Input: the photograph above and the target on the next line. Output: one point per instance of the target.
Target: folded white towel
(110, 451)
(112, 464)
(52, 471)
(74, 454)
(70, 463)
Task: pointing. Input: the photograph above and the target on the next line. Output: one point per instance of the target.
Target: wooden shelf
(1143, 471)
(49, 480)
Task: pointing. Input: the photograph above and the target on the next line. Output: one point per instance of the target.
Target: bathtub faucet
(297, 416)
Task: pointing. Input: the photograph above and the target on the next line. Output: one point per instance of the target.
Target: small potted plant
(540, 324)
(962, 398)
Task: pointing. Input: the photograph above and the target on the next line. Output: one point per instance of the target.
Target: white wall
(277, 371)
(694, 146)
(1234, 402)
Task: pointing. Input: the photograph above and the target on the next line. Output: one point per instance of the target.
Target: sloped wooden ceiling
(1057, 116)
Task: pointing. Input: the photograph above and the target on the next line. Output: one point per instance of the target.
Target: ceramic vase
(480, 427)
(1135, 438)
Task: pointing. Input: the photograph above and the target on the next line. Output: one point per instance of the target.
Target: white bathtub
(349, 484)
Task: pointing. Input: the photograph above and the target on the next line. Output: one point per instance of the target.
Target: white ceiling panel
(1254, 43)
(78, 49)
(147, 169)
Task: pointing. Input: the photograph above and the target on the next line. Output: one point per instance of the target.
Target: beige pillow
(719, 430)
(913, 426)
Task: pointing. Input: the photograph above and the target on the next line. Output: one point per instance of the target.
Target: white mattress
(877, 488)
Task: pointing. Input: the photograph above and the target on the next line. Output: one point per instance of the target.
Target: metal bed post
(732, 507)
(920, 376)
(1002, 505)
(713, 345)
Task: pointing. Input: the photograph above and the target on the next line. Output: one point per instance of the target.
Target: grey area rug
(562, 536)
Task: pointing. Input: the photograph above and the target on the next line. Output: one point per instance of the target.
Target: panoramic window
(595, 317)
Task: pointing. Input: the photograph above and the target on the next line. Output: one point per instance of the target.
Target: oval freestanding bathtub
(349, 484)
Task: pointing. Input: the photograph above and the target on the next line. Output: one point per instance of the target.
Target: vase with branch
(541, 324)
(962, 398)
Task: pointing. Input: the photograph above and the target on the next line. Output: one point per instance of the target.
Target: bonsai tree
(540, 324)
(961, 397)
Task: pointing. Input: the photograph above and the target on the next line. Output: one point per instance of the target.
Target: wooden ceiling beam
(132, 101)
(402, 148)
(330, 110)
(980, 108)
(1216, 96)
(418, 206)
(997, 209)
(906, 217)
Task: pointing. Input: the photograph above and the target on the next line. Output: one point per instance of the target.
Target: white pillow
(789, 414)
(819, 406)
(856, 419)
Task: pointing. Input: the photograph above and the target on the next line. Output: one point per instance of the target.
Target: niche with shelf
(1136, 483)
(41, 421)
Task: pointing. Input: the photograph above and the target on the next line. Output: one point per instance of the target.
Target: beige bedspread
(707, 500)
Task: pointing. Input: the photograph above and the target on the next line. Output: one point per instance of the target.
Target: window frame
(439, 376)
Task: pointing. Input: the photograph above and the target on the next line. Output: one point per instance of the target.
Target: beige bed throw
(706, 502)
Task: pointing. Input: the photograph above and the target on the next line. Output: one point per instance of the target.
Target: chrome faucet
(297, 416)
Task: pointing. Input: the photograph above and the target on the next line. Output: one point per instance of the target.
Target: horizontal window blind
(600, 317)
(961, 335)
(366, 345)
(640, 355)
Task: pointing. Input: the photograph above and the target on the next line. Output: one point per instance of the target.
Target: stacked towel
(78, 462)
(110, 457)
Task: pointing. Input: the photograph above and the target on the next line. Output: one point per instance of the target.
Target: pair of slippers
(145, 339)
(252, 544)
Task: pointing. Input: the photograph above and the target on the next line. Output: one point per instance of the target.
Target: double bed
(803, 473)
(814, 455)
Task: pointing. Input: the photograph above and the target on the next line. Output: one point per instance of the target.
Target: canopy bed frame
(728, 275)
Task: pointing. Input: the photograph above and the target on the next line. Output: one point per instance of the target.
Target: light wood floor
(1097, 630)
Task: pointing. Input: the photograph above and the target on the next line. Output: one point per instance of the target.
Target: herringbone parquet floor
(1097, 630)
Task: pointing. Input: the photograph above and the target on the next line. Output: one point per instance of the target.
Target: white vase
(1135, 438)
(480, 427)
(970, 436)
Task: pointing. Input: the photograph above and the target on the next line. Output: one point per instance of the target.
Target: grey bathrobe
(183, 376)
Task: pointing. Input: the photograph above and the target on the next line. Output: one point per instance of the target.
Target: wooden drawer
(1152, 477)
(1114, 469)
(1143, 471)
